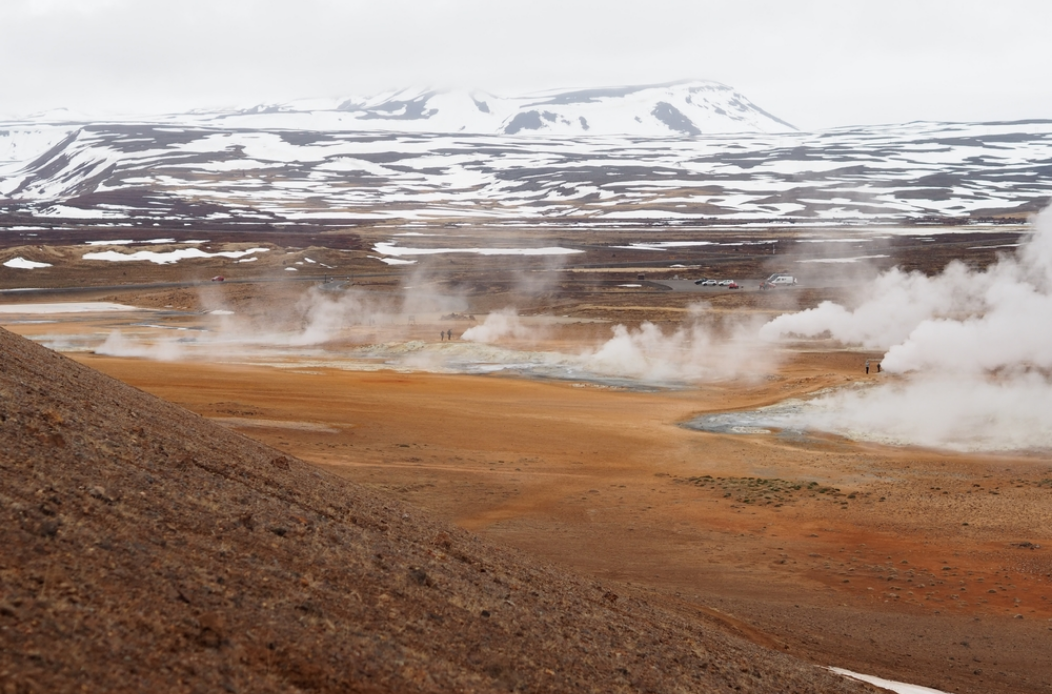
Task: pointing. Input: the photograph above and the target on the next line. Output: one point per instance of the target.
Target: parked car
(219, 278)
(733, 285)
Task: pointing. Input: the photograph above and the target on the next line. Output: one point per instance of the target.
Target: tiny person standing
(867, 366)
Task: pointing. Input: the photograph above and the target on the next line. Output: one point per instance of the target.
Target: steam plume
(498, 325)
(707, 347)
(974, 349)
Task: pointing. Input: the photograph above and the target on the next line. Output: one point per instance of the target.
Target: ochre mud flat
(912, 564)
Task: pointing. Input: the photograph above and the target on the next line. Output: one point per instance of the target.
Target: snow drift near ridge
(972, 349)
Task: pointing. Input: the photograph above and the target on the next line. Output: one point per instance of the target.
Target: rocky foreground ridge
(143, 548)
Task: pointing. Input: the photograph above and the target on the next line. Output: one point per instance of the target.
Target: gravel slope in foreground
(142, 547)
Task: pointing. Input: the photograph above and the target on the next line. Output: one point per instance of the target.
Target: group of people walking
(867, 366)
(448, 335)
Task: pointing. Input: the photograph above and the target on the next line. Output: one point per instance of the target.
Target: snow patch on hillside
(21, 263)
(168, 257)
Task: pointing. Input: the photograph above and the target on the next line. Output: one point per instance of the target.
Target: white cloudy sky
(814, 63)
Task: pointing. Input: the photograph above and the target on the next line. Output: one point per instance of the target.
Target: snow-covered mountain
(20, 142)
(150, 173)
(681, 151)
(680, 109)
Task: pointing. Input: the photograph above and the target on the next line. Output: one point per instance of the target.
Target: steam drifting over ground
(967, 363)
(708, 347)
(351, 326)
(498, 325)
(968, 353)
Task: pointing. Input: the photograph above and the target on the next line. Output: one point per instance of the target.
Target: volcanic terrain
(160, 548)
(145, 548)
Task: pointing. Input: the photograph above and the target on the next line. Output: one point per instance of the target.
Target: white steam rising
(499, 325)
(968, 353)
(118, 345)
(896, 303)
(973, 349)
(319, 317)
(939, 410)
(703, 349)
(324, 316)
(707, 347)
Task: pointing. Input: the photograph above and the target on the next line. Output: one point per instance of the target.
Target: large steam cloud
(972, 348)
(940, 410)
(968, 353)
(497, 326)
(318, 318)
(707, 347)
(325, 317)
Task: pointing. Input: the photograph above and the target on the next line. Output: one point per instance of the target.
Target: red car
(218, 278)
(733, 285)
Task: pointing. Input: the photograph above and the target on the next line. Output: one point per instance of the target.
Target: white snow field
(673, 153)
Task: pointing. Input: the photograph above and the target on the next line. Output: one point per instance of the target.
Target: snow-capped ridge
(675, 109)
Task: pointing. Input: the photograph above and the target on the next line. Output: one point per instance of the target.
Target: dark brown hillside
(144, 549)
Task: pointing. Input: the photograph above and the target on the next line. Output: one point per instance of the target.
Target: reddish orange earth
(916, 565)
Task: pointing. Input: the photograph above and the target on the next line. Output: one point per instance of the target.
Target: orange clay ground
(911, 564)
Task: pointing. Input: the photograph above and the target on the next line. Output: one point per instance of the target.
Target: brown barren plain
(911, 564)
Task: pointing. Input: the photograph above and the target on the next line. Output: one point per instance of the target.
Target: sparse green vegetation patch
(767, 491)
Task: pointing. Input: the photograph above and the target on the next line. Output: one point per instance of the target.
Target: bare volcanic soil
(916, 565)
(145, 548)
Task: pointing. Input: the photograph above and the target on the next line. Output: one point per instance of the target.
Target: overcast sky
(814, 63)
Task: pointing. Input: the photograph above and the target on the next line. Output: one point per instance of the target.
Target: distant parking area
(750, 285)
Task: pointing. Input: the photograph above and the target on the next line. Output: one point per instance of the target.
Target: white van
(778, 279)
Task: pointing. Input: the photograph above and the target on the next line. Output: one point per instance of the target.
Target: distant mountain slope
(166, 174)
(680, 109)
(143, 548)
(22, 142)
(686, 108)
